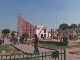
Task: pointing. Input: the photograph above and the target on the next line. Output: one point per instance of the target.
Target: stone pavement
(6, 41)
(72, 56)
(29, 48)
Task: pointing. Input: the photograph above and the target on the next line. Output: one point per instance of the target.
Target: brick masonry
(25, 26)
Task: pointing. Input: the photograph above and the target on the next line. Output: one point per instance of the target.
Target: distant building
(25, 26)
(41, 31)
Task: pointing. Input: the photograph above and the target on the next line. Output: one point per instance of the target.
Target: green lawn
(29, 42)
(53, 46)
(7, 48)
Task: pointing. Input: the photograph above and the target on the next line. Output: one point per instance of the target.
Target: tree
(14, 31)
(6, 31)
(73, 26)
(63, 26)
(12, 34)
(25, 34)
(78, 25)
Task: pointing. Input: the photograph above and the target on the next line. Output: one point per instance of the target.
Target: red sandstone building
(25, 26)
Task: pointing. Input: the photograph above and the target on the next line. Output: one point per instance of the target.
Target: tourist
(3, 40)
(11, 40)
(61, 40)
(22, 41)
(64, 40)
(25, 39)
(14, 40)
(36, 42)
(18, 40)
(0, 41)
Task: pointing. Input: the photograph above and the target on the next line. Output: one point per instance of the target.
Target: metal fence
(53, 55)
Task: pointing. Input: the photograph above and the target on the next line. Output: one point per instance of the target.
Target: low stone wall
(49, 42)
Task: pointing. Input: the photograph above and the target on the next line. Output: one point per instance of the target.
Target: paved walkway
(72, 56)
(7, 41)
(29, 49)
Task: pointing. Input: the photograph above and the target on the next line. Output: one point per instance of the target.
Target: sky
(50, 13)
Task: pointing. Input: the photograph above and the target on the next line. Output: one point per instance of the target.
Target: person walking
(22, 40)
(11, 40)
(36, 42)
(18, 40)
(25, 39)
(2, 40)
